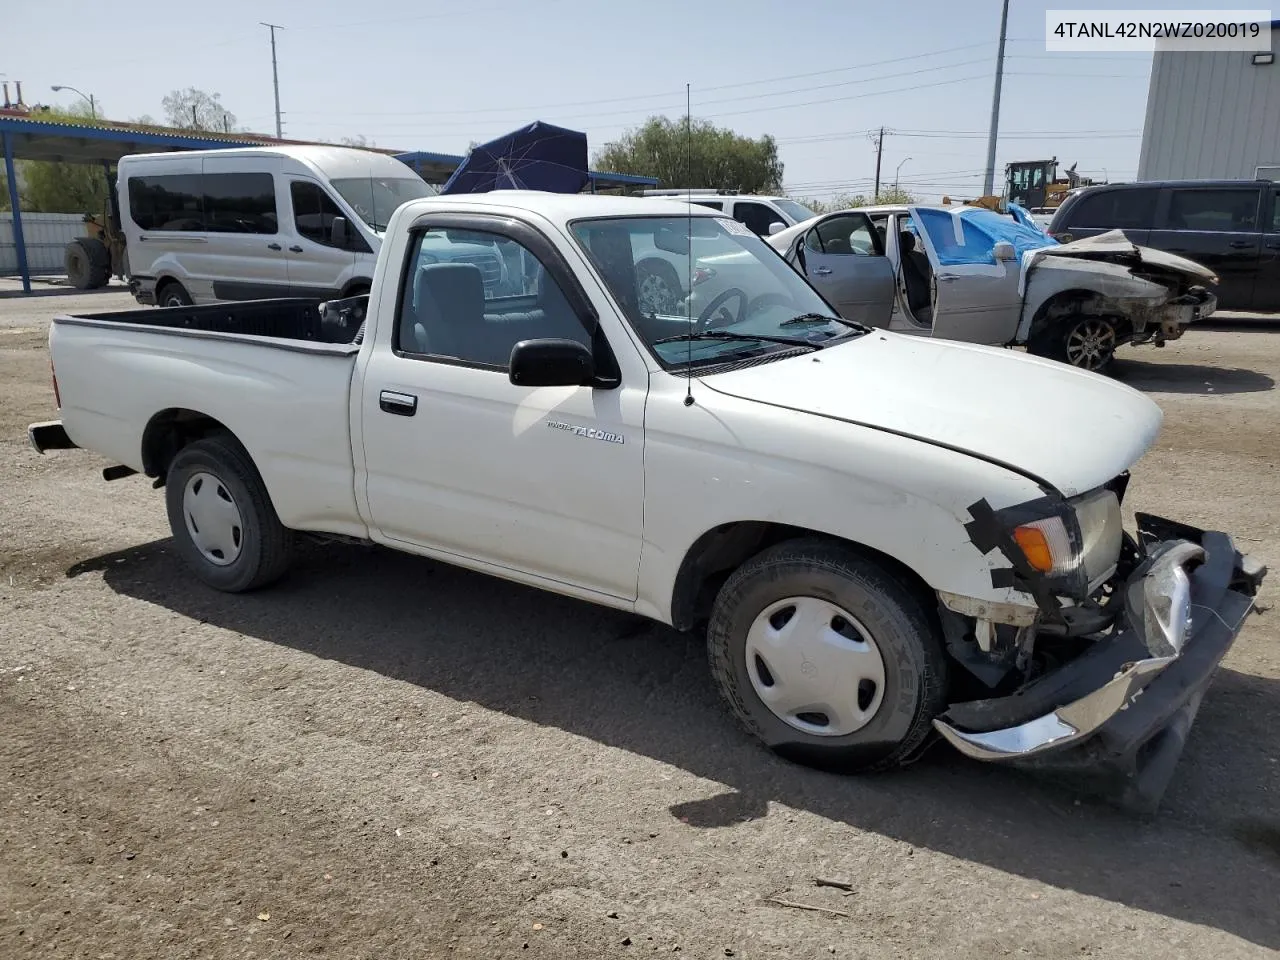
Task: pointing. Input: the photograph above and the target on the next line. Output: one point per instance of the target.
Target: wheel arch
(712, 557)
(1080, 300)
(168, 431)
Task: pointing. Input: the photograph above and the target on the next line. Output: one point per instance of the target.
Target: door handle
(1273, 245)
(1240, 244)
(401, 404)
(945, 277)
(822, 271)
(295, 249)
(273, 246)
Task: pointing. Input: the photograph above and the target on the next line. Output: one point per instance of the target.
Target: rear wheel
(172, 294)
(88, 263)
(827, 657)
(223, 522)
(1082, 340)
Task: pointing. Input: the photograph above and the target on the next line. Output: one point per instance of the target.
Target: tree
(47, 187)
(695, 153)
(843, 201)
(193, 109)
(360, 141)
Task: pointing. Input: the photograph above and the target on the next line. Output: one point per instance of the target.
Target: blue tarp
(537, 157)
(967, 235)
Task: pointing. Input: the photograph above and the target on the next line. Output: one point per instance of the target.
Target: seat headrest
(456, 290)
(907, 241)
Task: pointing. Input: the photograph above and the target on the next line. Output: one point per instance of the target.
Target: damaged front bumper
(1118, 714)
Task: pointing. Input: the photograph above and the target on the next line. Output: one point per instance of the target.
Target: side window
(1275, 211)
(1116, 209)
(756, 216)
(1231, 210)
(313, 211)
(240, 203)
(167, 202)
(849, 234)
(470, 296)
(713, 204)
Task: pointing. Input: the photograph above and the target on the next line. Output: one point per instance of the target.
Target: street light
(88, 98)
(898, 171)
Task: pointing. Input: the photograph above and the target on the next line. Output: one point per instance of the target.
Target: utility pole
(275, 75)
(879, 154)
(988, 183)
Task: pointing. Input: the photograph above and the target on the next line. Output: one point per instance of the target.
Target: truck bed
(317, 321)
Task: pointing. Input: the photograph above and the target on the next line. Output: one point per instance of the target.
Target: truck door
(977, 299)
(460, 461)
(843, 259)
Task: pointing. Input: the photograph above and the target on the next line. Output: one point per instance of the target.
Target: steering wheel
(708, 313)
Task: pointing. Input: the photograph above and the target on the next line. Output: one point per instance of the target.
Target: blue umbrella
(539, 156)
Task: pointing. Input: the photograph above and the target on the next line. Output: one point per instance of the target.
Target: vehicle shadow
(58, 290)
(1211, 857)
(1188, 377)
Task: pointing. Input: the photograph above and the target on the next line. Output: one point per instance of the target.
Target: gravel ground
(386, 757)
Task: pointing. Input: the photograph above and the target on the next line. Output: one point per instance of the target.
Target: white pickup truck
(885, 538)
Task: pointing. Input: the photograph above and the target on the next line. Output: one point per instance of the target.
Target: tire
(1081, 340)
(88, 263)
(884, 640)
(213, 482)
(658, 288)
(172, 294)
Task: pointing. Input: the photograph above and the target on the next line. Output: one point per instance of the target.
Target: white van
(258, 222)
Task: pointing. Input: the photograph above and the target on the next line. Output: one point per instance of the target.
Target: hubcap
(1091, 344)
(213, 519)
(656, 295)
(815, 666)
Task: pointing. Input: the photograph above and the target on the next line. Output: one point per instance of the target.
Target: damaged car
(972, 274)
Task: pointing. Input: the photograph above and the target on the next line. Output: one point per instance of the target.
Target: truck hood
(1065, 428)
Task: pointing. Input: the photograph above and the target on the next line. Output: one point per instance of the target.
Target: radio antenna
(688, 179)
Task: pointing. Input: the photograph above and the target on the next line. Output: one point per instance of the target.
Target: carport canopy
(27, 136)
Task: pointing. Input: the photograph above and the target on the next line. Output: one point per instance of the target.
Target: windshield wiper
(823, 318)
(730, 335)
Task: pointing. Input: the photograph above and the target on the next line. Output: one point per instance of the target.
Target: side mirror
(776, 227)
(551, 363)
(339, 233)
(1003, 250)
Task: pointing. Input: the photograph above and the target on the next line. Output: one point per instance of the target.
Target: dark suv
(1230, 226)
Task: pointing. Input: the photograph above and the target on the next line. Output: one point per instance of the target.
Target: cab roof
(564, 208)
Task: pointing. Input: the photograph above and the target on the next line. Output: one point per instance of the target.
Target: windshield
(796, 211)
(376, 198)
(704, 298)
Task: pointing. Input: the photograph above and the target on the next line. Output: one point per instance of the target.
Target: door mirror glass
(339, 233)
(1003, 250)
(776, 227)
(551, 363)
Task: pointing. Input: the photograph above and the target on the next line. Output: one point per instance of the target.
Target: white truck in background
(883, 540)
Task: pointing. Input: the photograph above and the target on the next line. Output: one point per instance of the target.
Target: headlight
(1083, 542)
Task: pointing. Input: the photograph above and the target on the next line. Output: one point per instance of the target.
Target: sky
(428, 75)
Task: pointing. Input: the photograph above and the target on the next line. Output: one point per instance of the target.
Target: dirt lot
(385, 757)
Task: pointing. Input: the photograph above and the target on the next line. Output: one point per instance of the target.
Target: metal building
(1213, 114)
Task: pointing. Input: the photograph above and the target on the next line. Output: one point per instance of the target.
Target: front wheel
(223, 522)
(827, 658)
(173, 294)
(1081, 340)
